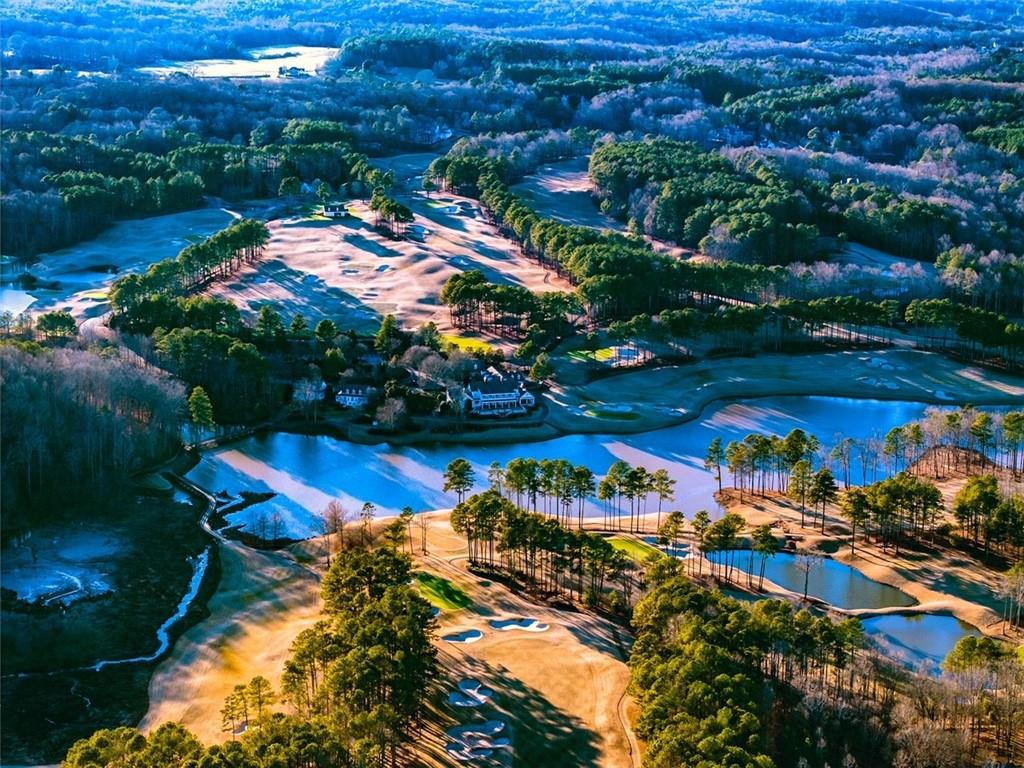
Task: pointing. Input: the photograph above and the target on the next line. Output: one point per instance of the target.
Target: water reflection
(307, 471)
(918, 641)
(836, 583)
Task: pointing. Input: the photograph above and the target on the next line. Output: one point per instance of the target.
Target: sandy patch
(561, 691)
(349, 272)
(262, 602)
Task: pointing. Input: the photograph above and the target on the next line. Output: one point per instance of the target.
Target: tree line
(74, 424)
(724, 683)
(356, 685)
(618, 278)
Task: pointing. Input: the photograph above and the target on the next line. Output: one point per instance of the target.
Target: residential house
(335, 210)
(498, 392)
(354, 396)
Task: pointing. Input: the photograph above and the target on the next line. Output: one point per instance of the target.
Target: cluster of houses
(492, 392)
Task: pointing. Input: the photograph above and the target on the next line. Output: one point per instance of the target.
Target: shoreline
(883, 567)
(561, 418)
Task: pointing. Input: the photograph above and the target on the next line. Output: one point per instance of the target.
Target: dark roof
(496, 386)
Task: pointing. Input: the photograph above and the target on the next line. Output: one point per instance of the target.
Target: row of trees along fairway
(219, 255)
(620, 277)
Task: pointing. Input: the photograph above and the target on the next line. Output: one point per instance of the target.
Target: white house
(354, 396)
(335, 210)
(498, 392)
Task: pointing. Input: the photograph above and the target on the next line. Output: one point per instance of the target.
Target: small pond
(834, 582)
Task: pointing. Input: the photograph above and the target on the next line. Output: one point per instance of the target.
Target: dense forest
(75, 422)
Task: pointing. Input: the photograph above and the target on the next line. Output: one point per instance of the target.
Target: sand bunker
(525, 624)
(476, 740)
(467, 636)
(471, 693)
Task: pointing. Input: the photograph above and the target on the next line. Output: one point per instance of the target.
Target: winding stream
(199, 565)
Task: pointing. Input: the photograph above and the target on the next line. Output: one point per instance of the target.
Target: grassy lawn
(98, 295)
(601, 413)
(603, 355)
(442, 593)
(636, 549)
(467, 345)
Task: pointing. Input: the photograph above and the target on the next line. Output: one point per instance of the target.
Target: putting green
(636, 549)
(441, 593)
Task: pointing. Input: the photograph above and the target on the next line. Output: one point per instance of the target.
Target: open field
(84, 272)
(258, 62)
(262, 602)
(562, 191)
(348, 271)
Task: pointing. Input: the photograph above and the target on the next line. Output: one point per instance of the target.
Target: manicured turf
(602, 355)
(441, 592)
(636, 549)
(601, 413)
(467, 345)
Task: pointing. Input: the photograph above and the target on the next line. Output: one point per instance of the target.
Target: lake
(258, 62)
(306, 472)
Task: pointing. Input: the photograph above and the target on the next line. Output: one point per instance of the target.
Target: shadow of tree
(542, 734)
(601, 636)
(294, 291)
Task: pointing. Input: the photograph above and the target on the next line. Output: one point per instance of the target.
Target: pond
(306, 472)
(918, 641)
(836, 583)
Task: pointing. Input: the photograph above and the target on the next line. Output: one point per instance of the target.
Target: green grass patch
(601, 413)
(442, 593)
(603, 355)
(636, 549)
(96, 295)
(466, 345)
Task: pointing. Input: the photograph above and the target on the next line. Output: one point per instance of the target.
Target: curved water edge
(836, 584)
(307, 471)
(919, 641)
(465, 637)
(199, 566)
